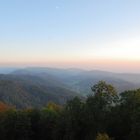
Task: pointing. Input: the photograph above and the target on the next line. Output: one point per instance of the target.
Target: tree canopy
(104, 115)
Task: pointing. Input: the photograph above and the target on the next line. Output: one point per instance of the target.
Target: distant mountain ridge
(36, 86)
(80, 80)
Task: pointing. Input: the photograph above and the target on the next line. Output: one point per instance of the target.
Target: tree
(98, 106)
(124, 121)
(48, 119)
(102, 136)
(34, 116)
(105, 91)
(4, 107)
(16, 125)
(130, 101)
(72, 121)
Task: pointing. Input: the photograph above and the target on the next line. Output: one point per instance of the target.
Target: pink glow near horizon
(104, 36)
(100, 64)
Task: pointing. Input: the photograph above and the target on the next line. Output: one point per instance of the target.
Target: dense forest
(104, 115)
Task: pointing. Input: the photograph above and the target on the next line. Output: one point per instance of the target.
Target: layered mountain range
(36, 86)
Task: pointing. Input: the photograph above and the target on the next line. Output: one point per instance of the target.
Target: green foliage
(130, 101)
(78, 119)
(106, 92)
(15, 125)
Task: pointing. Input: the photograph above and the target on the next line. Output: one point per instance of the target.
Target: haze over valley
(36, 86)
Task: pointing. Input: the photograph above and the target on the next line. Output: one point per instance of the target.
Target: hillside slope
(29, 91)
(80, 80)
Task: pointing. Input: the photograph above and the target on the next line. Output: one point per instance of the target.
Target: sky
(88, 34)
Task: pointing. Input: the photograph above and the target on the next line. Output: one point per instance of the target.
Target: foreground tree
(130, 102)
(106, 92)
(104, 112)
(74, 120)
(103, 136)
(98, 108)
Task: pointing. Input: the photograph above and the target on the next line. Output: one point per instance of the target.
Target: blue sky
(70, 32)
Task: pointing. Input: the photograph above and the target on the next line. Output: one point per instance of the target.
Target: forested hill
(35, 87)
(80, 80)
(24, 91)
